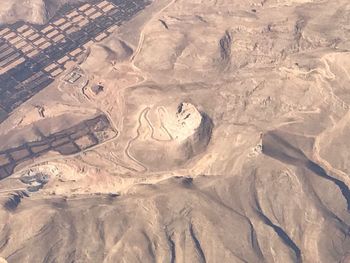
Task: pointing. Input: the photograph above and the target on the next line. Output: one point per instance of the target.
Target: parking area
(78, 138)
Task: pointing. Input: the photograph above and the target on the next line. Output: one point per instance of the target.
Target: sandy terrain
(33, 11)
(233, 124)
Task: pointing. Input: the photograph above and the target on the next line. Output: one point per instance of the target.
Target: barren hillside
(231, 120)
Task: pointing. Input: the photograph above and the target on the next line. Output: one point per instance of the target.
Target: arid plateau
(174, 131)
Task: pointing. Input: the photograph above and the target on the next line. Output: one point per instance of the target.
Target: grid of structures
(78, 138)
(31, 56)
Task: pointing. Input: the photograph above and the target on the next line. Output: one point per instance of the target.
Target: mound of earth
(103, 55)
(189, 127)
(177, 135)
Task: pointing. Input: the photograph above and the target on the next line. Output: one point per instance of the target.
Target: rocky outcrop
(190, 128)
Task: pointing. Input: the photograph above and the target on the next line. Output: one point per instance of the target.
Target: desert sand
(232, 122)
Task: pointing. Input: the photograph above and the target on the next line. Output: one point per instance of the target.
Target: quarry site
(174, 131)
